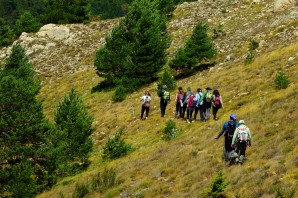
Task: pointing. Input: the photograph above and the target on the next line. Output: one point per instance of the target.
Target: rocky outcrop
(281, 5)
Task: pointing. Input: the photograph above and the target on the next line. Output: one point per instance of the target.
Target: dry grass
(185, 166)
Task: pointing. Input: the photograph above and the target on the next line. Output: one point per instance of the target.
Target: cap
(233, 116)
(241, 122)
(188, 89)
(208, 88)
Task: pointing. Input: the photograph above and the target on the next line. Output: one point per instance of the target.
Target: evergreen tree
(108, 9)
(196, 48)
(74, 133)
(65, 11)
(24, 130)
(27, 23)
(6, 33)
(136, 49)
(166, 78)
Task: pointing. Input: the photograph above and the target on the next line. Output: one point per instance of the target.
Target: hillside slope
(186, 166)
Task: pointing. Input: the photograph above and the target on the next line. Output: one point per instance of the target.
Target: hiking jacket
(225, 129)
(198, 98)
(239, 128)
(161, 95)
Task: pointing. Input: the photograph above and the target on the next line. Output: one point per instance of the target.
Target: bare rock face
(284, 4)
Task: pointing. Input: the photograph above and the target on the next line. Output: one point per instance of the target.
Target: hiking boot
(187, 120)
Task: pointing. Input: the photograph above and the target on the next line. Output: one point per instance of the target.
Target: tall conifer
(74, 133)
(196, 48)
(136, 49)
(23, 130)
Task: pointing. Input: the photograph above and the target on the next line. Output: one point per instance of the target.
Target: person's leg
(165, 106)
(196, 113)
(214, 112)
(142, 111)
(183, 110)
(162, 108)
(242, 152)
(177, 109)
(190, 113)
(147, 112)
(207, 113)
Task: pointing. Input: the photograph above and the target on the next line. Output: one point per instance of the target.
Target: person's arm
(234, 137)
(222, 131)
(222, 106)
(249, 136)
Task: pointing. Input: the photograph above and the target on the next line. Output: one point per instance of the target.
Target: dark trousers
(228, 147)
(178, 109)
(214, 111)
(183, 110)
(241, 147)
(196, 112)
(163, 106)
(143, 110)
(203, 113)
(189, 113)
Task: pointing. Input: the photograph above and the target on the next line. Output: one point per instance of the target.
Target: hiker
(241, 138)
(145, 104)
(207, 102)
(228, 130)
(179, 102)
(198, 105)
(164, 99)
(185, 100)
(190, 107)
(216, 103)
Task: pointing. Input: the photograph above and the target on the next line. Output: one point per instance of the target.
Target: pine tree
(198, 47)
(166, 78)
(24, 130)
(65, 11)
(6, 33)
(27, 23)
(74, 133)
(136, 49)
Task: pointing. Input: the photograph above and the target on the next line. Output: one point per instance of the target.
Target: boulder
(281, 5)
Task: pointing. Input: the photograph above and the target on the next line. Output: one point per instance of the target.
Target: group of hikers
(237, 134)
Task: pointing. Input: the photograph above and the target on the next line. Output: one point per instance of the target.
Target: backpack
(202, 99)
(147, 102)
(242, 134)
(191, 101)
(208, 96)
(231, 128)
(166, 96)
(217, 101)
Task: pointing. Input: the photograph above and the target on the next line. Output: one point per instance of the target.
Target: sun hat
(233, 116)
(241, 122)
(208, 88)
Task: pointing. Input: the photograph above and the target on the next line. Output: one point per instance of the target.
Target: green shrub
(218, 31)
(171, 131)
(103, 181)
(166, 79)
(253, 45)
(281, 80)
(116, 147)
(249, 57)
(217, 186)
(284, 193)
(120, 94)
(80, 190)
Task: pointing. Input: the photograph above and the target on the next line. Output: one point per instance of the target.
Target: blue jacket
(225, 129)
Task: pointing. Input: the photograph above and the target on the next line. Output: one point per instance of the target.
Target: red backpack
(217, 101)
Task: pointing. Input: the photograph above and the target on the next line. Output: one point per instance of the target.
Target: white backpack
(242, 133)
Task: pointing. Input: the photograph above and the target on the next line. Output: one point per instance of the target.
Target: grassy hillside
(186, 166)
